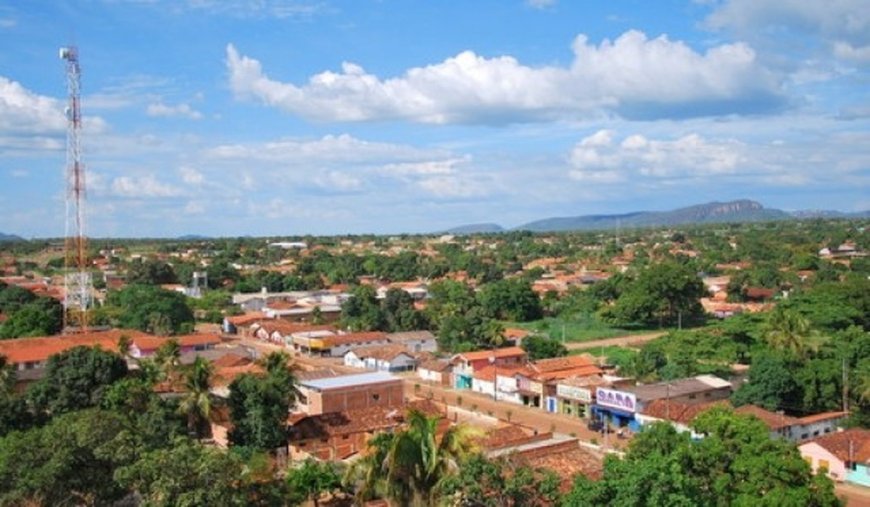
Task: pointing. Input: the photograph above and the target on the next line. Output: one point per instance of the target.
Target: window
(823, 463)
(376, 396)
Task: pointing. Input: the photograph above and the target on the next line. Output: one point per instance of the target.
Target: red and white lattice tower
(77, 278)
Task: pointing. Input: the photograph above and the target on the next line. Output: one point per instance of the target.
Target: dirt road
(619, 341)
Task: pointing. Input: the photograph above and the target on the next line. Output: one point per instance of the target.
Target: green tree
(259, 406)
(500, 482)
(196, 403)
(736, 463)
(186, 474)
(76, 378)
(67, 462)
(152, 272)
(146, 307)
(311, 480)
(511, 299)
(7, 378)
(789, 331)
(41, 317)
(362, 312)
(407, 466)
(542, 347)
(772, 383)
(666, 293)
(399, 313)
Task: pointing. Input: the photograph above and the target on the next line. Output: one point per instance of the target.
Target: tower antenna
(77, 278)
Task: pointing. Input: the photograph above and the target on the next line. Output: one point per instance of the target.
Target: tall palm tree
(196, 403)
(862, 381)
(7, 377)
(409, 465)
(168, 357)
(790, 331)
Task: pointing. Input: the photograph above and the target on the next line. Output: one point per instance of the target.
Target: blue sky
(289, 117)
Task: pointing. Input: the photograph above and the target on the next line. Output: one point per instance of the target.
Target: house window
(376, 397)
(823, 463)
(692, 396)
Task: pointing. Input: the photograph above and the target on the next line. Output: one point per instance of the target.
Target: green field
(578, 328)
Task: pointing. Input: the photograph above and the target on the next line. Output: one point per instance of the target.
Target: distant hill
(714, 212)
(192, 237)
(742, 210)
(10, 237)
(827, 213)
(476, 229)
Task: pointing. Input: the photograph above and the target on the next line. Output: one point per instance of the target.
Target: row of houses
(30, 355)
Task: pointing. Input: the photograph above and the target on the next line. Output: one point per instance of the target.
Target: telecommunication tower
(77, 279)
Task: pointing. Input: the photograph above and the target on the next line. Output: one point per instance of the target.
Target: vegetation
(736, 463)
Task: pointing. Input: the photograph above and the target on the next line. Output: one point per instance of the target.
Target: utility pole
(845, 387)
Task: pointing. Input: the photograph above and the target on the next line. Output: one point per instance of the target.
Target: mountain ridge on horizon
(739, 210)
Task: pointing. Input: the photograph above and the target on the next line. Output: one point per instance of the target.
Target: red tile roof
(683, 413)
(346, 339)
(496, 353)
(27, 350)
(773, 420)
(381, 352)
(850, 445)
(148, 342)
(824, 416)
(247, 318)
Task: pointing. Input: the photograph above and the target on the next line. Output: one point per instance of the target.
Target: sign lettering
(615, 399)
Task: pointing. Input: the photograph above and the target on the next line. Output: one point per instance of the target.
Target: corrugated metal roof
(348, 380)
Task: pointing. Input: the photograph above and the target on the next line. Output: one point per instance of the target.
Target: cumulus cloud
(25, 112)
(191, 176)
(633, 76)
(338, 180)
(428, 167)
(843, 25)
(160, 109)
(329, 148)
(142, 187)
(598, 158)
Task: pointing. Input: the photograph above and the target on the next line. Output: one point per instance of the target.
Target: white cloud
(142, 187)
(541, 4)
(181, 110)
(191, 176)
(338, 180)
(597, 158)
(330, 148)
(843, 25)
(633, 75)
(451, 186)
(847, 51)
(25, 112)
(428, 167)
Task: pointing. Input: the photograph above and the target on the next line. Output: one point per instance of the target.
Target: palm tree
(276, 362)
(791, 331)
(862, 381)
(168, 356)
(408, 466)
(7, 377)
(196, 403)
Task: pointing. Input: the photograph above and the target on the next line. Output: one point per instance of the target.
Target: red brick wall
(386, 394)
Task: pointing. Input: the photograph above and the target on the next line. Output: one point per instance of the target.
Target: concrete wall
(819, 457)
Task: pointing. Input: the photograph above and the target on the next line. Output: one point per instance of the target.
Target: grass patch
(577, 328)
